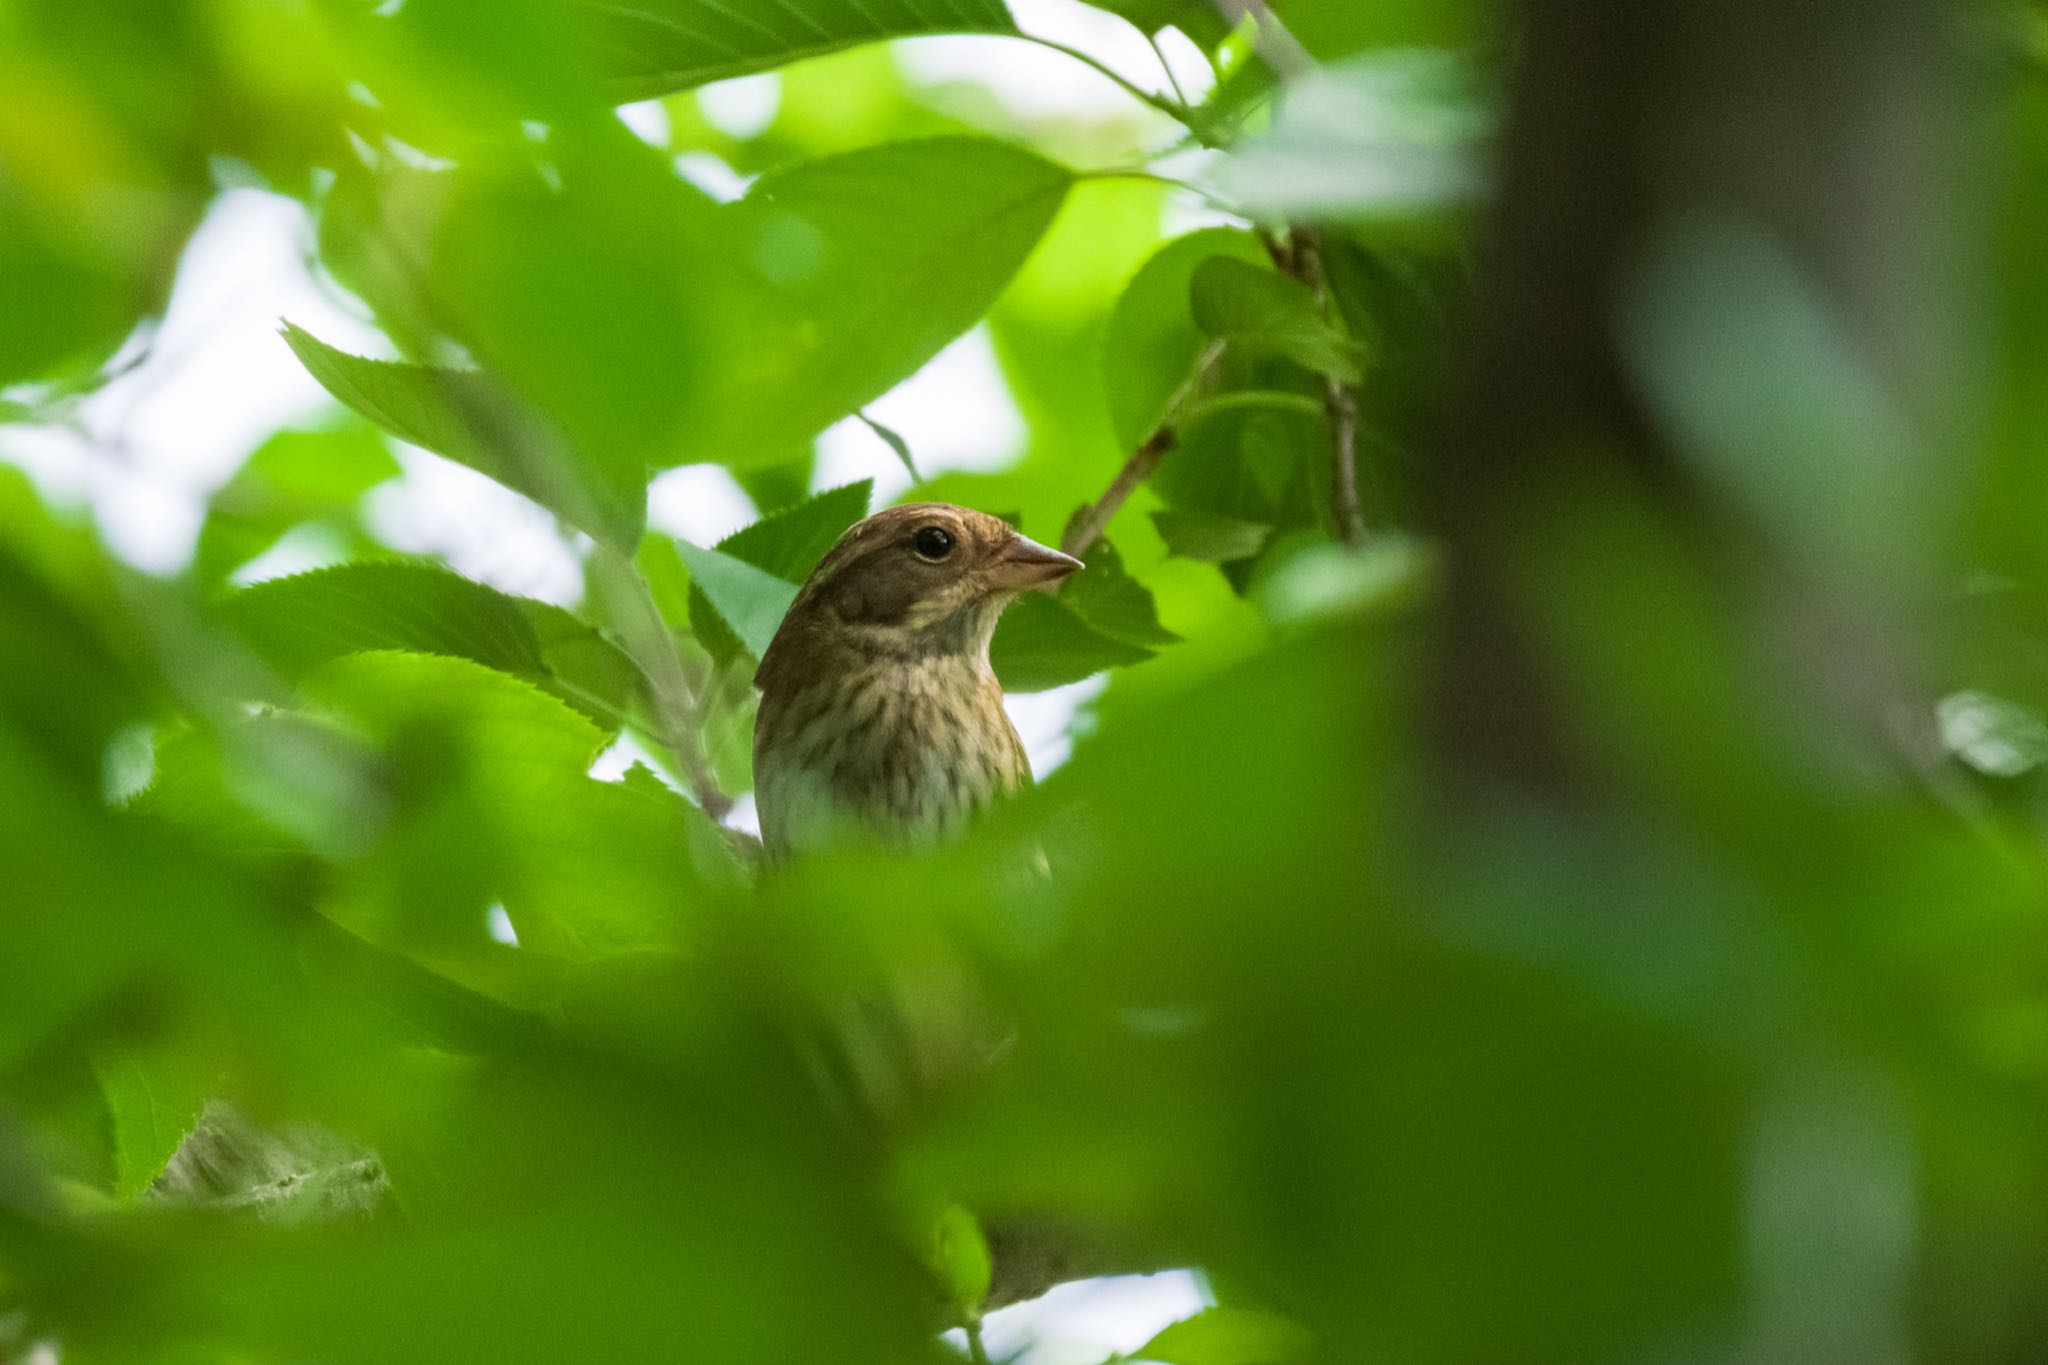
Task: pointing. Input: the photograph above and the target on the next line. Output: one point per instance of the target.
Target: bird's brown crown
(909, 582)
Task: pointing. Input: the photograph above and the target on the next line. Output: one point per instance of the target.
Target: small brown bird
(880, 716)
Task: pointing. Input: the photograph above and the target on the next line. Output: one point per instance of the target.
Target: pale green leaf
(1991, 734)
(876, 259)
(478, 421)
(752, 601)
(1393, 135)
(787, 544)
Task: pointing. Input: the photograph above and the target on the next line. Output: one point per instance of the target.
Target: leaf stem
(652, 648)
(1165, 104)
(1147, 174)
(1303, 259)
(977, 1351)
(1152, 40)
(1270, 399)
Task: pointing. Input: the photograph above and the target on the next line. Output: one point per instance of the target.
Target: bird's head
(911, 583)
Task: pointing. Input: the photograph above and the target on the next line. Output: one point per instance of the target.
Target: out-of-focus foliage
(1737, 1052)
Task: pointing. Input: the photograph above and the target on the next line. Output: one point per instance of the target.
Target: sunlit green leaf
(882, 257)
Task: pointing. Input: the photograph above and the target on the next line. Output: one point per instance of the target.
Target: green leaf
(660, 46)
(1153, 341)
(1260, 310)
(153, 1103)
(293, 478)
(958, 1257)
(1391, 136)
(787, 544)
(1230, 1336)
(1042, 643)
(583, 867)
(1113, 602)
(893, 439)
(877, 258)
(478, 421)
(302, 621)
(752, 601)
(1207, 536)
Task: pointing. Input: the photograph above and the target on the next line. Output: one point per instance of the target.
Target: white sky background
(217, 380)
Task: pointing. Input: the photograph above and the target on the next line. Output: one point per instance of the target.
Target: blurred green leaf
(584, 867)
(1043, 643)
(1331, 29)
(1262, 310)
(1393, 136)
(293, 478)
(476, 420)
(752, 601)
(667, 45)
(1230, 1336)
(1993, 735)
(959, 1259)
(1205, 535)
(306, 619)
(1153, 340)
(881, 257)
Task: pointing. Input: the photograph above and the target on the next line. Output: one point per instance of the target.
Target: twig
(1165, 104)
(653, 650)
(1303, 259)
(977, 1352)
(1092, 520)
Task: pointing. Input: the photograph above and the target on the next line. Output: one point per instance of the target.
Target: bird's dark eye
(933, 542)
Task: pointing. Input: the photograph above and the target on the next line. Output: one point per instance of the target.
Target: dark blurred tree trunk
(1824, 125)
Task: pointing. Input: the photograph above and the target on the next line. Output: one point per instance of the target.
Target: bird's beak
(1024, 563)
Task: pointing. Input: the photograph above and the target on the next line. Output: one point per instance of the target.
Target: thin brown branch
(1092, 520)
(1304, 261)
